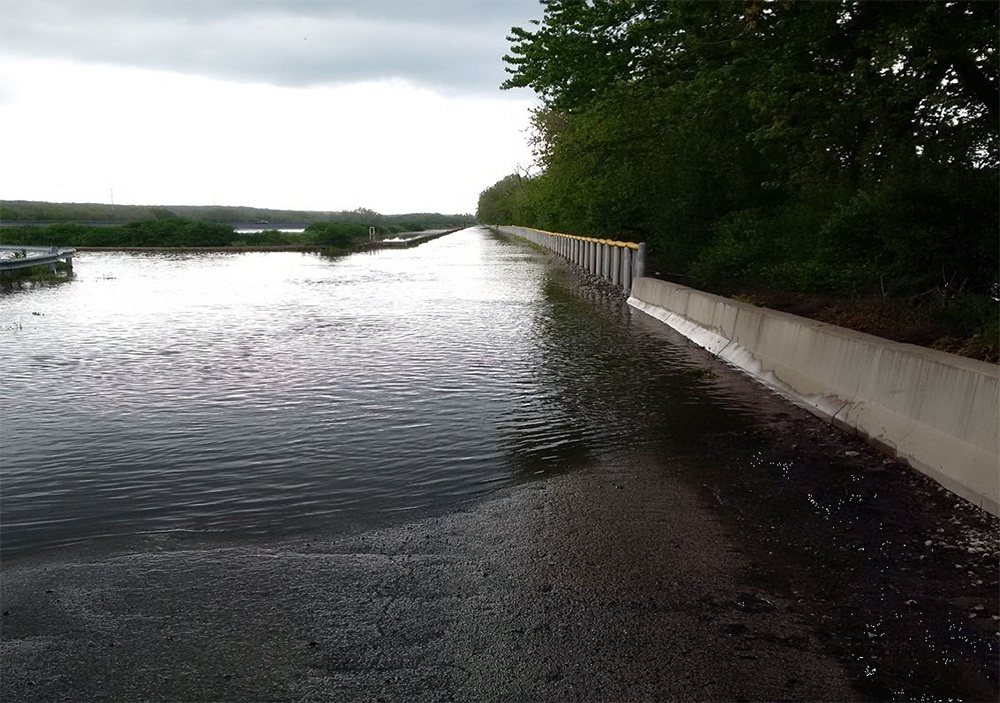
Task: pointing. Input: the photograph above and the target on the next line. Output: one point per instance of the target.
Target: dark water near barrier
(276, 393)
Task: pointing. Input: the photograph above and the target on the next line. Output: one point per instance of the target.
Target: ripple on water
(264, 393)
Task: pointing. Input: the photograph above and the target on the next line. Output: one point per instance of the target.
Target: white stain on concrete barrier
(937, 412)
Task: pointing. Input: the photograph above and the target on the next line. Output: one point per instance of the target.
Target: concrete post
(627, 271)
(616, 265)
(640, 261)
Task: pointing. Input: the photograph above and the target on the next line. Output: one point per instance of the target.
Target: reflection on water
(272, 393)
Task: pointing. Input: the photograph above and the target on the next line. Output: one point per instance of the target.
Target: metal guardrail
(35, 256)
(615, 261)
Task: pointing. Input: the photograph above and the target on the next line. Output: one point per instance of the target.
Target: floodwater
(241, 395)
(568, 482)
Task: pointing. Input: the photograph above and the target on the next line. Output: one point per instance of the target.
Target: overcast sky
(392, 105)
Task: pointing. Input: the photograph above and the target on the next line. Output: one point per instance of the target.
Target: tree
(506, 201)
(853, 141)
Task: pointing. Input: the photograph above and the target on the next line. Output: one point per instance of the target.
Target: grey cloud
(454, 46)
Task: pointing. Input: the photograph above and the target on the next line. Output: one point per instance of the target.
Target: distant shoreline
(209, 250)
(237, 226)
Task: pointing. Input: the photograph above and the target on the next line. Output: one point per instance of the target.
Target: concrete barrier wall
(938, 412)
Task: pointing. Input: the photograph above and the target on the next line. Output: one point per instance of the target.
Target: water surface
(273, 393)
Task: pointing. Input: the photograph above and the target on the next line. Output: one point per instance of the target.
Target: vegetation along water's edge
(168, 231)
(840, 161)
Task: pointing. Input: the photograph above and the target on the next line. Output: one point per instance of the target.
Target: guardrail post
(619, 263)
(627, 271)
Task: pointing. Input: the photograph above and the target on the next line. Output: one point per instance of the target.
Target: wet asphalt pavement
(612, 583)
(598, 585)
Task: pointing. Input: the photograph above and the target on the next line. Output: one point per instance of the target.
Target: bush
(176, 232)
(739, 252)
(160, 232)
(337, 234)
(920, 234)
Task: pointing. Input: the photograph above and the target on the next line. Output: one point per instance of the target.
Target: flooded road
(269, 394)
(453, 472)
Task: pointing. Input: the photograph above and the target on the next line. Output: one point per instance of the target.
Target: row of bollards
(615, 261)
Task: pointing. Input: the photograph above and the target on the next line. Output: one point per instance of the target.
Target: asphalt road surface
(849, 578)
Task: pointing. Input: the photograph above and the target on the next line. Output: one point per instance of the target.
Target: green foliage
(166, 229)
(271, 238)
(740, 251)
(169, 231)
(836, 147)
(337, 234)
(177, 232)
(507, 201)
(44, 235)
(25, 212)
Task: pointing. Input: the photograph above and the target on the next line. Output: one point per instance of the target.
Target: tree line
(31, 211)
(846, 148)
(172, 231)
